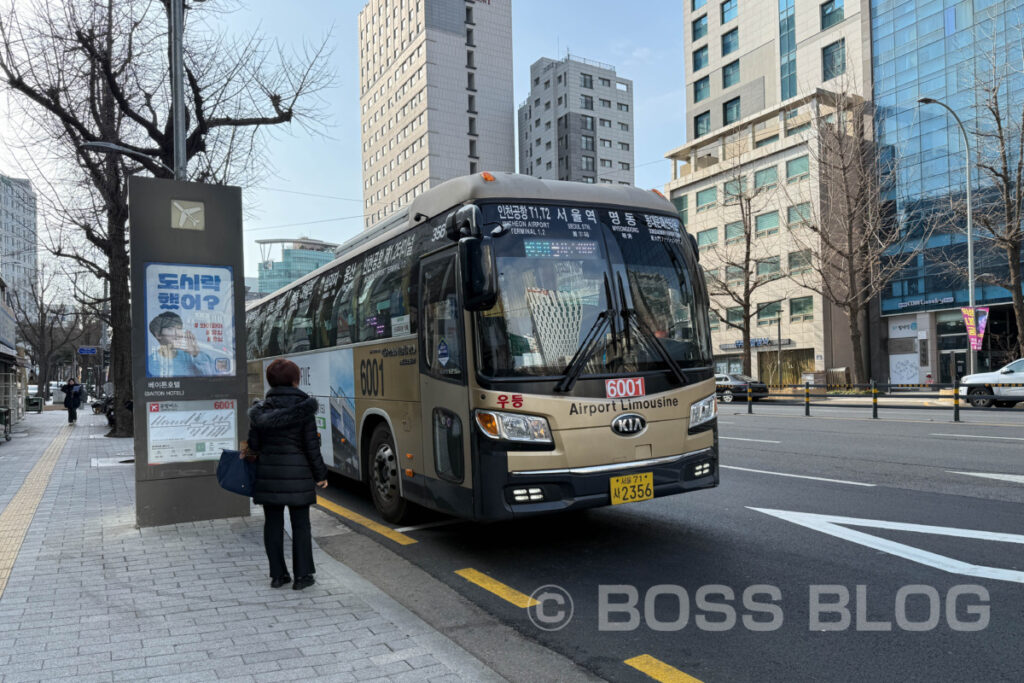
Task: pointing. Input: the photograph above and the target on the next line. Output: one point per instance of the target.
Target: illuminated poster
(190, 320)
(975, 320)
(187, 431)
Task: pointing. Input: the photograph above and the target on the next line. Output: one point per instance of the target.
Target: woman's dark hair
(282, 373)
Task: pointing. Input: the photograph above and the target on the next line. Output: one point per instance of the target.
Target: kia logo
(629, 424)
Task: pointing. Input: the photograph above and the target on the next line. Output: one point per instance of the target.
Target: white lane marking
(736, 438)
(1016, 478)
(429, 525)
(723, 422)
(976, 436)
(830, 524)
(796, 476)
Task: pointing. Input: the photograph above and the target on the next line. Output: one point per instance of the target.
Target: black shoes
(303, 582)
(280, 581)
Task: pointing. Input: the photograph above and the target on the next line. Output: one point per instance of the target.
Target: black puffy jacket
(282, 431)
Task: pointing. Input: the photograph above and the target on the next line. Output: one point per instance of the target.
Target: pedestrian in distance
(72, 399)
(286, 445)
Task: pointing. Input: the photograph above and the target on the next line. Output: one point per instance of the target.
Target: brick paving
(92, 598)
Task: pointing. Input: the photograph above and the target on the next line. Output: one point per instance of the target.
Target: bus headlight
(703, 411)
(513, 426)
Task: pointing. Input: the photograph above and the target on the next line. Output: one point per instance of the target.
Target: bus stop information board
(188, 355)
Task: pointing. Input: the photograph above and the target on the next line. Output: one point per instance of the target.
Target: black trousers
(302, 540)
(72, 415)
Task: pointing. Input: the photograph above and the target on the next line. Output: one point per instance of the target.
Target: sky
(315, 186)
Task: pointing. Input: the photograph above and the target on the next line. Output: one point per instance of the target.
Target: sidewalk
(90, 597)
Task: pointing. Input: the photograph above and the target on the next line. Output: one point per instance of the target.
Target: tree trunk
(1013, 257)
(121, 326)
(859, 376)
(748, 365)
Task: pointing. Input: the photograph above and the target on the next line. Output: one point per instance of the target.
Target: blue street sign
(87, 350)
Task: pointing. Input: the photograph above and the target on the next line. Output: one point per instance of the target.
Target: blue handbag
(235, 474)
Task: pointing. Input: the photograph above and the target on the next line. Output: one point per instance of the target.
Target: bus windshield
(563, 270)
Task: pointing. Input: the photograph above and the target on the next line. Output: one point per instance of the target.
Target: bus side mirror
(463, 222)
(479, 273)
(693, 243)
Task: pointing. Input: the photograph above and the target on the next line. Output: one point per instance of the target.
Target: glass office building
(298, 257)
(941, 49)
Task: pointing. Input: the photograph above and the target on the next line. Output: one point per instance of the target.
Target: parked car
(729, 386)
(977, 394)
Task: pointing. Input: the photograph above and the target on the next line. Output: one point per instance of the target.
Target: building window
(547, 166)
(623, 126)
(797, 169)
(730, 42)
(769, 268)
(766, 177)
(766, 224)
(731, 74)
(700, 27)
(606, 163)
(588, 179)
(623, 165)
(700, 58)
(833, 60)
(728, 10)
(587, 142)
(606, 143)
(706, 198)
(469, 14)
(697, 4)
(605, 82)
(588, 163)
(713, 319)
(623, 106)
(586, 102)
(831, 13)
(702, 89)
(787, 48)
(768, 314)
(799, 261)
(707, 238)
(472, 125)
(702, 124)
(586, 81)
(606, 104)
(798, 214)
(801, 308)
(588, 122)
(624, 146)
(472, 148)
(734, 315)
(734, 231)
(734, 188)
(559, 100)
(605, 123)
(734, 273)
(731, 111)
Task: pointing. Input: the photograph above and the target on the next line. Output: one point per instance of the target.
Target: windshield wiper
(651, 339)
(589, 345)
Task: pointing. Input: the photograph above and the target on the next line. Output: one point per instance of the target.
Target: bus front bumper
(585, 487)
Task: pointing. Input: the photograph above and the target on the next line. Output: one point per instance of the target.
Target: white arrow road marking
(1016, 478)
(795, 476)
(830, 524)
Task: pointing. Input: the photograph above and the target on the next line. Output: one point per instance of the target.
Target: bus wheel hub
(385, 471)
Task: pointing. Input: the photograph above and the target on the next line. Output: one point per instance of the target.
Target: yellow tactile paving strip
(16, 517)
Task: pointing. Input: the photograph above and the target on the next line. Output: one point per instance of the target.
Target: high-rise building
(435, 96)
(577, 123)
(758, 77)
(945, 51)
(18, 248)
(298, 257)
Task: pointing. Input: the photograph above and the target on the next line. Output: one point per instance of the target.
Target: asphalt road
(890, 516)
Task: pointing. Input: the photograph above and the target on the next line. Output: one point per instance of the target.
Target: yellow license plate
(632, 487)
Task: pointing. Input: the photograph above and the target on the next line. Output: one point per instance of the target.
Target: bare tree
(97, 71)
(48, 322)
(854, 244)
(735, 277)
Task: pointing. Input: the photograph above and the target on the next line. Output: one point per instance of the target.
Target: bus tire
(384, 476)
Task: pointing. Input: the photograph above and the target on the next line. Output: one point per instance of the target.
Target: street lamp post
(972, 355)
(177, 27)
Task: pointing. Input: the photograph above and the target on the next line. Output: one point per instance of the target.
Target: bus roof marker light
(657, 192)
(488, 177)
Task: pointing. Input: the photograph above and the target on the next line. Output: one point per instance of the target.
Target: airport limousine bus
(506, 346)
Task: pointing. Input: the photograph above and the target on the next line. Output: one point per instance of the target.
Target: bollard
(956, 400)
(807, 399)
(750, 400)
(874, 401)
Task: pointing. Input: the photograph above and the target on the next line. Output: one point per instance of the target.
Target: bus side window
(324, 323)
(277, 321)
(300, 327)
(345, 302)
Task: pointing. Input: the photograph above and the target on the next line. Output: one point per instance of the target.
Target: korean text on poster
(187, 431)
(190, 316)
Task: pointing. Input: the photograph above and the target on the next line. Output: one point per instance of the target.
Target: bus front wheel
(384, 474)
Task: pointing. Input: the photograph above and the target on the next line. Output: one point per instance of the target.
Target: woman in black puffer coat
(282, 433)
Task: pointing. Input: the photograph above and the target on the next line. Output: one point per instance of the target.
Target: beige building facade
(435, 96)
(746, 184)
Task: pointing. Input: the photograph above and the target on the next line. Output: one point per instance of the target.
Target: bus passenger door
(446, 480)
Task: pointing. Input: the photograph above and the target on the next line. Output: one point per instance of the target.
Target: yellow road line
(497, 587)
(385, 531)
(17, 516)
(659, 670)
